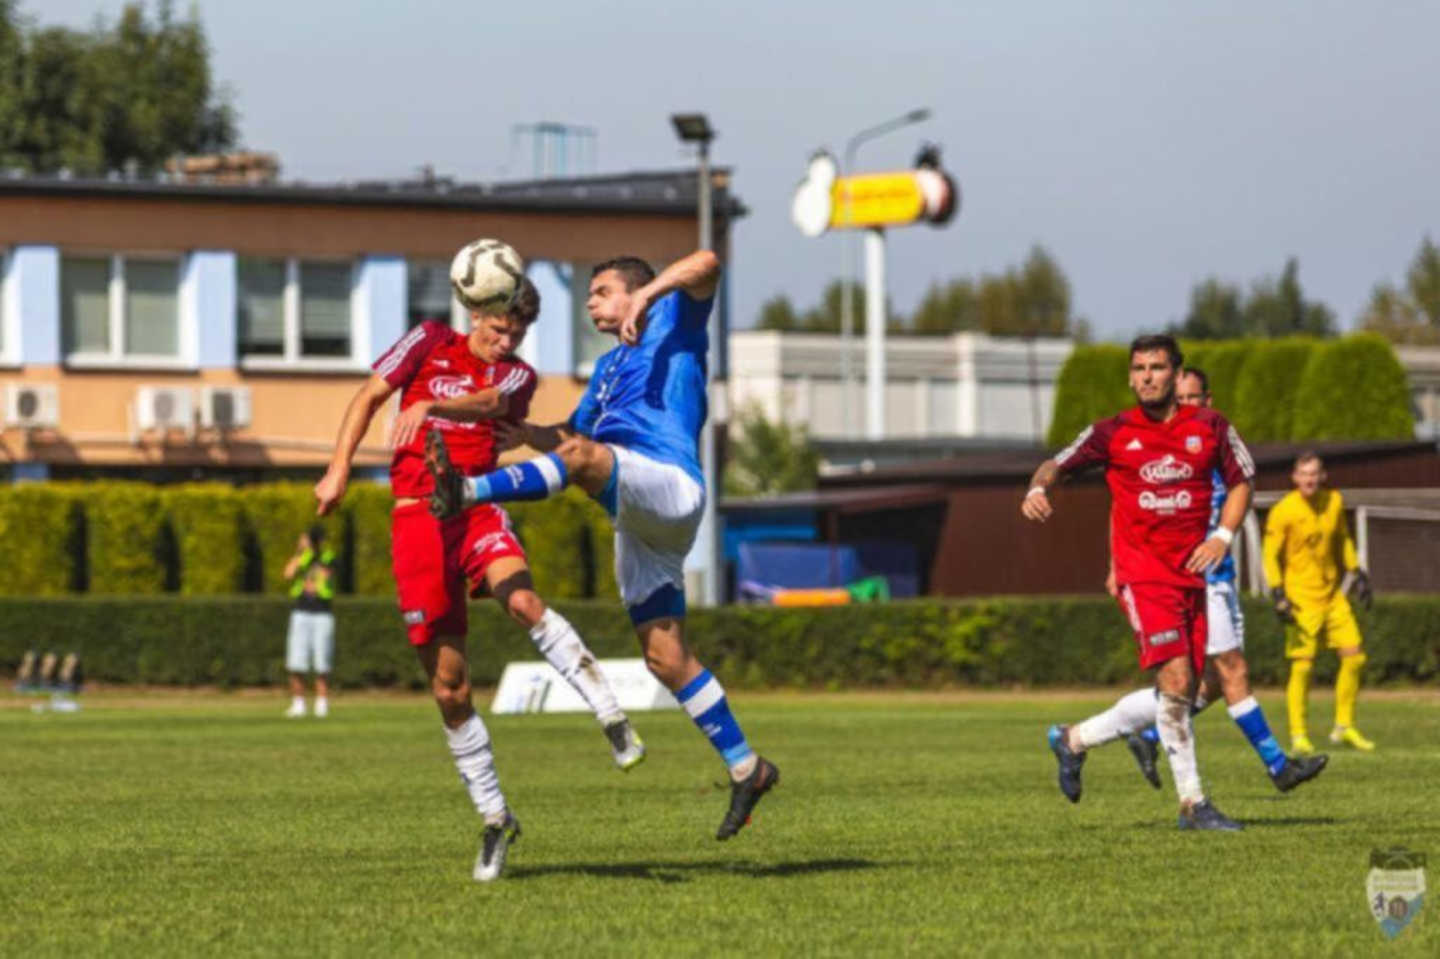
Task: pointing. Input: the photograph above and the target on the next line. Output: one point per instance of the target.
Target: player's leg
(296, 663)
(578, 460)
(1130, 717)
(1300, 647)
(508, 579)
(1343, 634)
(323, 653)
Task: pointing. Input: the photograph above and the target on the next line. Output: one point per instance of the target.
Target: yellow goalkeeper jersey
(1307, 546)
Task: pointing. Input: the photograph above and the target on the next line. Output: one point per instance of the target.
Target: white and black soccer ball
(486, 275)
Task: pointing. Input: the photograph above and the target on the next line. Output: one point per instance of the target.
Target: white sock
(1132, 712)
(563, 648)
(1177, 735)
(297, 702)
(470, 745)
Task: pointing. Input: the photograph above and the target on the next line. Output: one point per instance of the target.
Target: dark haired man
(1158, 459)
(465, 386)
(310, 639)
(632, 444)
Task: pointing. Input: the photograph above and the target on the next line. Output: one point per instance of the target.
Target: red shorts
(1169, 622)
(432, 560)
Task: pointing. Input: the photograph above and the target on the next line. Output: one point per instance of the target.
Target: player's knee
(1354, 656)
(525, 607)
(452, 691)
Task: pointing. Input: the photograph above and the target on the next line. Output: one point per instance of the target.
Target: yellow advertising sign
(876, 199)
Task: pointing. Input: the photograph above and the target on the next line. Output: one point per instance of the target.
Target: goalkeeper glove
(1360, 587)
(1283, 607)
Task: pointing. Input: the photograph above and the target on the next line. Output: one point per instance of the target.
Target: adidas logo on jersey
(442, 364)
(1134, 445)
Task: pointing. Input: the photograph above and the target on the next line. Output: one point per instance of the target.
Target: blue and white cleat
(1204, 815)
(1069, 760)
(1145, 751)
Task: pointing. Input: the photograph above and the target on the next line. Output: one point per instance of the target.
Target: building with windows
(168, 329)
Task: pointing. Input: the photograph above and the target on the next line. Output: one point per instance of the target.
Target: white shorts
(310, 643)
(1224, 619)
(657, 514)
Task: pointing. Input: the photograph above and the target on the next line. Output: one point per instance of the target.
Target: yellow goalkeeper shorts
(1336, 620)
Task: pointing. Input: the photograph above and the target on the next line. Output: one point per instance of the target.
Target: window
(294, 310)
(7, 339)
(428, 293)
(119, 308)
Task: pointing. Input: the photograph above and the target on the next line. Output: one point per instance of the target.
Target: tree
(1274, 307)
(778, 313)
(766, 458)
(1353, 389)
(1411, 315)
(949, 308)
(1214, 312)
(133, 94)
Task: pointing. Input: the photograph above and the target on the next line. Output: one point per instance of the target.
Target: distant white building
(968, 385)
(1422, 369)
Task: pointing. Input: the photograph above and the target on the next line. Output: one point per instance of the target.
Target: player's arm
(369, 398)
(1036, 505)
(697, 274)
(485, 404)
(1232, 514)
(1359, 579)
(1271, 546)
(1089, 448)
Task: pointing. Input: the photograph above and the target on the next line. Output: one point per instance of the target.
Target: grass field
(204, 823)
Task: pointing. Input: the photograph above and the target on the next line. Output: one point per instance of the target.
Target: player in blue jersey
(633, 445)
(1226, 673)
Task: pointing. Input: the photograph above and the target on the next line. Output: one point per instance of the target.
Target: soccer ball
(486, 274)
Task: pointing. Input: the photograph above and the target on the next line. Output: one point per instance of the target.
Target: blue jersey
(650, 397)
(1223, 571)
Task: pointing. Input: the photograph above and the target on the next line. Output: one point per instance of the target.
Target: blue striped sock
(703, 699)
(1251, 719)
(533, 479)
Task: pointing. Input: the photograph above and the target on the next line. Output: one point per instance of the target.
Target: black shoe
(1204, 815)
(494, 844)
(1297, 770)
(448, 498)
(1144, 752)
(1069, 760)
(745, 794)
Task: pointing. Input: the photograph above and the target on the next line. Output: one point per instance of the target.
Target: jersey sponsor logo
(1167, 469)
(1165, 503)
(1133, 445)
(1160, 639)
(1192, 444)
(413, 617)
(451, 387)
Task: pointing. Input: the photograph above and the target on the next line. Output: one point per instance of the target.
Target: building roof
(662, 192)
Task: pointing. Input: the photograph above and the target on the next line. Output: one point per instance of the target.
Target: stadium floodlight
(692, 127)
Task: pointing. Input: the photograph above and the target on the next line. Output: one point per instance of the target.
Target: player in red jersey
(459, 384)
(1158, 460)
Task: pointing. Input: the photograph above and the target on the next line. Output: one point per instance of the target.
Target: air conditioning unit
(164, 408)
(224, 407)
(32, 405)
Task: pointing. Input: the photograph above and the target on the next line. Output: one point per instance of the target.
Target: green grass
(929, 824)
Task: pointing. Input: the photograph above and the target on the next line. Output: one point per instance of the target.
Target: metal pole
(709, 538)
(875, 333)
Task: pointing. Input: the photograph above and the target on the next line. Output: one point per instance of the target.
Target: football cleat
(626, 746)
(745, 794)
(322, 709)
(296, 711)
(1301, 745)
(1203, 815)
(1297, 770)
(1144, 752)
(494, 845)
(1350, 736)
(448, 497)
(1069, 760)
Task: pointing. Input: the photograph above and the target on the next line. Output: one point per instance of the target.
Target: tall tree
(1411, 315)
(1274, 307)
(1214, 312)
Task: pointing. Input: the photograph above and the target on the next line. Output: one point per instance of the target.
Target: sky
(1145, 145)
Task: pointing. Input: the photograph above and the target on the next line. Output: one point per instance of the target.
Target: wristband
(1034, 490)
(1224, 535)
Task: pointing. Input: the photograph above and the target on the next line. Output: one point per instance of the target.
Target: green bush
(1263, 405)
(984, 642)
(366, 550)
(1093, 383)
(1222, 361)
(131, 545)
(1353, 389)
(209, 537)
(275, 516)
(42, 527)
(556, 537)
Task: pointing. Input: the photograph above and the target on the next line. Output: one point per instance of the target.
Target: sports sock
(1297, 690)
(1172, 721)
(1347, 688)
(563, 648)
(704, 700)
(533, 479)
(1131, 712)
(297, 703)
(1251, 719)
(470, 745)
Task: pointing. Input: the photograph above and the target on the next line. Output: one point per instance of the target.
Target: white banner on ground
(537, 688)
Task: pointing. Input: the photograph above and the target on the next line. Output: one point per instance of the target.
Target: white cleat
(322, 708)
(296, 711)
(494, 845)
(626, 746)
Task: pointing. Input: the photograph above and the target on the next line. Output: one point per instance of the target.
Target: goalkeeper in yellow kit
(1308, 554)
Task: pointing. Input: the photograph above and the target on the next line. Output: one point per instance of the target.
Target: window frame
(9, 313)
(290, 357)
(116, 294)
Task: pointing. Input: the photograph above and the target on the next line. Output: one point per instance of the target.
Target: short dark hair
(1199, 374)
(1151, 342)
(1308, 456)
(317, 535)
(525, 307)
(634, 270)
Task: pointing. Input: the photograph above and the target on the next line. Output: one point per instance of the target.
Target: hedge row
(126, 538)
(994, 642)
(1274, 391)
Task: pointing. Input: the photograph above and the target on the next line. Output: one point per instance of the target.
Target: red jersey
(434, 362)
(1159, 476)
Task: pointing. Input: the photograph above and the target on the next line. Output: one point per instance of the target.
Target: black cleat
(745, 794)
(1203, 815)
(494, 844)
(1069, 760)
(1297, 770)
(1144, 752)
(448, 498)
